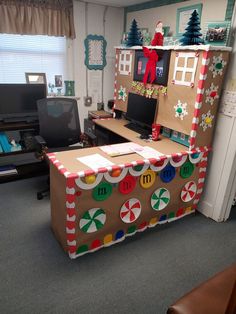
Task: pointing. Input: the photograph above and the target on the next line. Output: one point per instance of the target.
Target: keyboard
(136, 128)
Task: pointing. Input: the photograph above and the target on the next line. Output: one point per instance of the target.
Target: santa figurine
(158, 37)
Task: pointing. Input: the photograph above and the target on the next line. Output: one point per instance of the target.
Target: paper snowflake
(212, 94)
(206, 120)
(180, 110)
(217, 65)
(122, 93)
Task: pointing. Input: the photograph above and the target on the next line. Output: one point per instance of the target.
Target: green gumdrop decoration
(219, 66)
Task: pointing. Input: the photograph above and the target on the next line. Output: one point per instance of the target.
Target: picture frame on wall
(183, 15)
(35, 78)
(216, 33)
(95, 52)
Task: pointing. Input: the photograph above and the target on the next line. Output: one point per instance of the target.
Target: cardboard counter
(94, 209)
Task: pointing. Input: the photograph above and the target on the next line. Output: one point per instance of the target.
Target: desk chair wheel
(39, 196)
(42, 194)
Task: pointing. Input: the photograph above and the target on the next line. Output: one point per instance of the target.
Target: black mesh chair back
(59, 121)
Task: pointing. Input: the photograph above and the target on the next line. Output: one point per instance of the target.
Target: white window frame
(125, 62)
(185, 69)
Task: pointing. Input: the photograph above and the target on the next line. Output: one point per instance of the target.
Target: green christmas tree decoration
(192, 34)
(134, 35)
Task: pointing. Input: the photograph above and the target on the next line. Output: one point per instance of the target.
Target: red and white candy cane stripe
(201, 179)
(70, 216)
(116, 73)
(199, 98)
(156, 164)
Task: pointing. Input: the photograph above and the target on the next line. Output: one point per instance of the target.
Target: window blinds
(31, 53)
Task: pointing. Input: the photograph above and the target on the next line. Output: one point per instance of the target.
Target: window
(185, 68)
(125, 62)
(27, 53)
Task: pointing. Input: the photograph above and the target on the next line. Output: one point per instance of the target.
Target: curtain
(37, 17)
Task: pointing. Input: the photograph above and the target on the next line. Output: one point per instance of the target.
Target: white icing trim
(179, 163)
(72, 218)
(195, 160)
(71, 231)
(116, 179)
(70, 191)
(70, 205)
(71, 242)
(86, 186)
(154, 168)
(138, 173)
(193, 47)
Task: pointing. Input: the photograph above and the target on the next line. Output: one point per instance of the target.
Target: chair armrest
(213, 296)
(40, 147)
(40, 140)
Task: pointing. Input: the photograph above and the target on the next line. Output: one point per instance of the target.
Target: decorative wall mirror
(35, 78)
(95, 52)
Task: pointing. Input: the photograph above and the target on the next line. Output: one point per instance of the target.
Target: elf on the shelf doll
(158, 37)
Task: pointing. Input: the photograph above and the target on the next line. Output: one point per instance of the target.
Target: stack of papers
(121, 149)
(149, 152)
(95, 161)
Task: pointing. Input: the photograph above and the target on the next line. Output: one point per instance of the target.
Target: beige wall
(113, 33)
(212, 10)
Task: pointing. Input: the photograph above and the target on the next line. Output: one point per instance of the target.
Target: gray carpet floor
(143, 274)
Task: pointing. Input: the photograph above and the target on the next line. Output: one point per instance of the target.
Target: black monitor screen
(141, 109)
(20, 100)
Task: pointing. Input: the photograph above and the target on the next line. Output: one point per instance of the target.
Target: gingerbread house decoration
(92, 209)
(187, 88)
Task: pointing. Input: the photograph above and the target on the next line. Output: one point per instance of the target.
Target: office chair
(59, 127)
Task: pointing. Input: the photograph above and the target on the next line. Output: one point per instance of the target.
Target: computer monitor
(19, 101)
(141, 110)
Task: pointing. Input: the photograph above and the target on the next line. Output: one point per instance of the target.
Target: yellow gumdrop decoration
(208, 120)
(116, 173)
(90, 179)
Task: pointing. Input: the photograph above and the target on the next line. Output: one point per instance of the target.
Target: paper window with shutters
(185, 68)
(125, 62)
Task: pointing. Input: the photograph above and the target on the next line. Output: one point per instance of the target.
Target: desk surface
(69, 158)
(164, 145)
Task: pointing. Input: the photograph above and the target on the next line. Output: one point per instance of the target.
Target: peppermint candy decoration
(160, 199)
(189, 191)
(92, 220)
(130, 210)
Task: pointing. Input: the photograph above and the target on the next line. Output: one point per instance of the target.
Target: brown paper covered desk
(94, 209)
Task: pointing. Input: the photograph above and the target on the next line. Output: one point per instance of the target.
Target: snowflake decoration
(212, 94)
(180, 110)
(217, 65)
(206, 120)
(122, 93)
